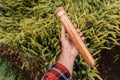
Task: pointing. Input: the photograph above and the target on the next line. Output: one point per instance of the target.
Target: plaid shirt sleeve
(57, 72)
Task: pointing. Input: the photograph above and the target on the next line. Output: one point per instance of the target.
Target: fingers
(63, 33)
(78, 30)
(64, 36)
(75, 26)
(80, 33)
(83, 38)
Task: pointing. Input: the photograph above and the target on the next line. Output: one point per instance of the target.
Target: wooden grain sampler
(69, 27)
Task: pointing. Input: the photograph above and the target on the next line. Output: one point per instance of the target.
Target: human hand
(68, 47)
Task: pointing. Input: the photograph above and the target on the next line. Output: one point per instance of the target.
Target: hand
(67, 45)
(69, 51)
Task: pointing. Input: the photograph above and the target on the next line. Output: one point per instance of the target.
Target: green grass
(7, 72)
(31, 26)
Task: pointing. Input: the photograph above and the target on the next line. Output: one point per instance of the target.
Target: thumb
(63, 32)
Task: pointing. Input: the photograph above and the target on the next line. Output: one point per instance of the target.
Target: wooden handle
(69, 27)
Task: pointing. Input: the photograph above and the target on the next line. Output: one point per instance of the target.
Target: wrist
(67, 60)
(69, 53)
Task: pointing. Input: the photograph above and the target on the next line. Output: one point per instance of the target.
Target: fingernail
(80, 34)
(83, 38)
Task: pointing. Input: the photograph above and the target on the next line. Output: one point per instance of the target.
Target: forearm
(67, 60)
(62, 69)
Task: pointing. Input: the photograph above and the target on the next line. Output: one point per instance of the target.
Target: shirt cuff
(57, 72)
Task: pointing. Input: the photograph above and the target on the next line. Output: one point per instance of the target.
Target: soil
(109, 64)
(17, 59)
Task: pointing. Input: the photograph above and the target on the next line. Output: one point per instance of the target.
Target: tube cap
(58, 9)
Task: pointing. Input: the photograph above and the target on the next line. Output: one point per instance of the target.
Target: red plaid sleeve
(57, 72)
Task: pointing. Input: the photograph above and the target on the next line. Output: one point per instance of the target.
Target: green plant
(31, 26)
(7, 72)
